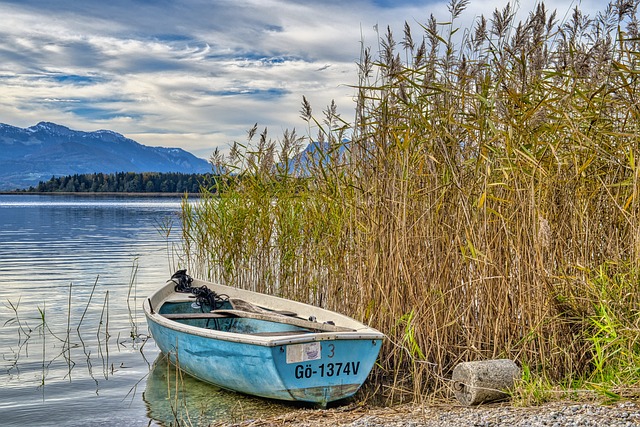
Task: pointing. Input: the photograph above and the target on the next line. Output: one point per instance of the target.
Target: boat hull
(271, 359)
(336, 372)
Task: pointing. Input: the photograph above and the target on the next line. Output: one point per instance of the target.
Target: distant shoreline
(94, 194)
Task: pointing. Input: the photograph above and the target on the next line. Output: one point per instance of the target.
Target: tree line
(125, 182)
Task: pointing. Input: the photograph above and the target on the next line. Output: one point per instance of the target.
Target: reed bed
(483, 203)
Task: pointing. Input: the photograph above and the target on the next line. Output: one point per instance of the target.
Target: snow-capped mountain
(34, 154)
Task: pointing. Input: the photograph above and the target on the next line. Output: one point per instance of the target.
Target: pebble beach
(570, 414)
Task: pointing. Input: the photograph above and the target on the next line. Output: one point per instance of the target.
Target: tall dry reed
(483, 204)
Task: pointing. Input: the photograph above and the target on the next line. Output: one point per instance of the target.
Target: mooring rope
(204, 296)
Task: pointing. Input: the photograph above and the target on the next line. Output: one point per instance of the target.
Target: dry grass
(485, 204)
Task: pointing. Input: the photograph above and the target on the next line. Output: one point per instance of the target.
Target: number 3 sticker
(332, 350)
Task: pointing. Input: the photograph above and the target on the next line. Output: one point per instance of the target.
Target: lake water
(74, 271)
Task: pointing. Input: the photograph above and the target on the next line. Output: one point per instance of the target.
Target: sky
(197, 74)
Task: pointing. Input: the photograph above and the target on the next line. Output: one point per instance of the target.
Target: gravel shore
(550, 415)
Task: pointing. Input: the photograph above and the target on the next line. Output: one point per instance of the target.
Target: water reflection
(73, 346)
(175, 398)
(73, 274)
(63, 238)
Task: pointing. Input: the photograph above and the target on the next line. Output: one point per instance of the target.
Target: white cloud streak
(194, 74)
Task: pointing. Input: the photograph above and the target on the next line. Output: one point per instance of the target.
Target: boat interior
(242, 317)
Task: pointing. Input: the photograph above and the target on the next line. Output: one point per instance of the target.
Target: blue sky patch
(96, 113)
(254, 93)
(171, 37)
(74, 79)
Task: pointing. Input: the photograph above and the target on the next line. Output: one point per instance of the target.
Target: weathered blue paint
(271, 356)
(343, 367)
(263, 370)
(227, 364)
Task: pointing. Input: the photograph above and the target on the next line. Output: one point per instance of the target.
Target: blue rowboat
(260, 344)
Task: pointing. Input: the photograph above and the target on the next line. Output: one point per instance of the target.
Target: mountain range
(34, 154)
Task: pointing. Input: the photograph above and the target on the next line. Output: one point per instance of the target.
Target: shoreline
(95, 194)
(561, 413)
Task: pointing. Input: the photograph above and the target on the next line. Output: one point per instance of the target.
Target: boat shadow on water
(175, 398)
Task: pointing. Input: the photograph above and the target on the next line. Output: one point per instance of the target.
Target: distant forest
(125, 182)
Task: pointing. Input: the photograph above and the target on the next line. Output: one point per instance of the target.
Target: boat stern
(324, 371)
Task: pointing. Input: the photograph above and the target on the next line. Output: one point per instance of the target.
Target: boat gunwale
(362, 332)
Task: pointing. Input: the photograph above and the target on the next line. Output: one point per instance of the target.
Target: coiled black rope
(204, 296)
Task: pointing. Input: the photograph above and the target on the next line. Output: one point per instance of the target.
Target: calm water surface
(73, 273)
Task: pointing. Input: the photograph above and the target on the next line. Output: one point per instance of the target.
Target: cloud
(193, 73)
